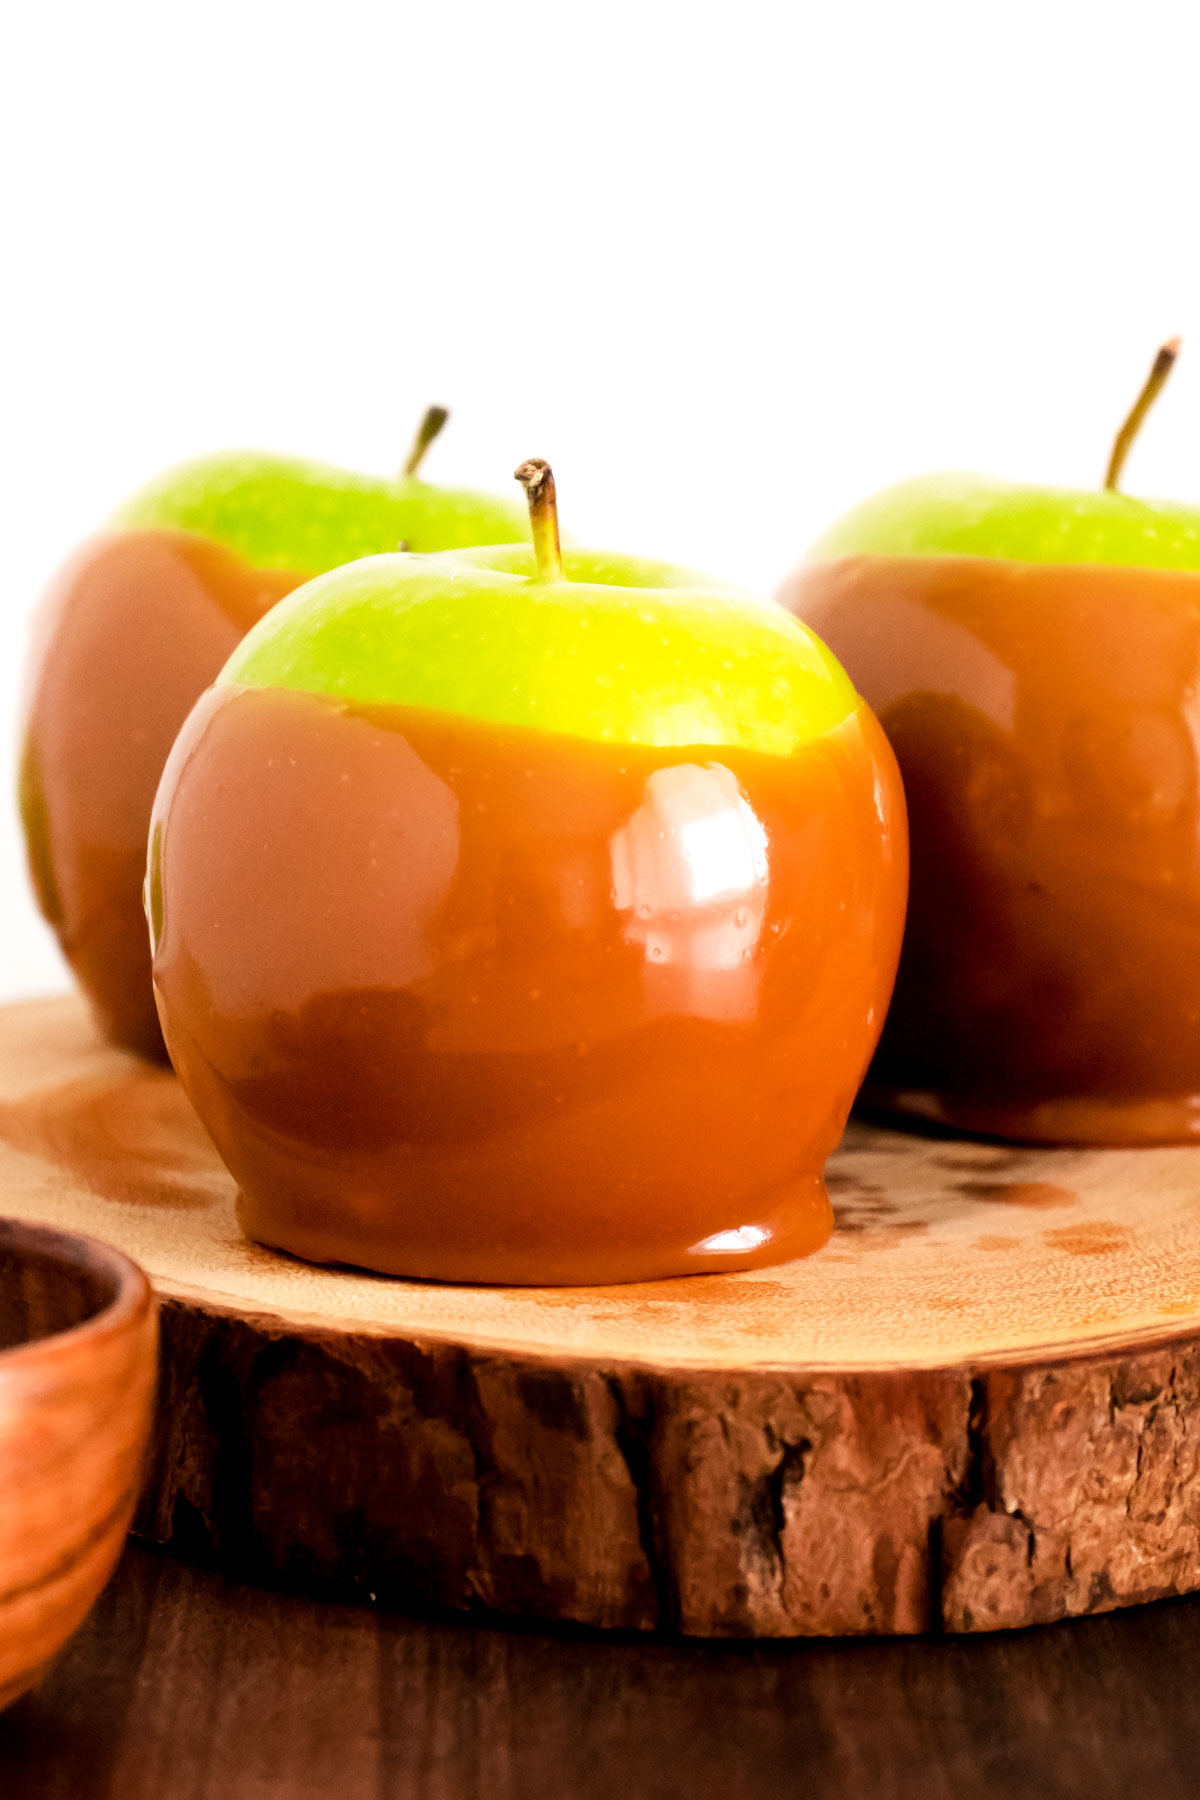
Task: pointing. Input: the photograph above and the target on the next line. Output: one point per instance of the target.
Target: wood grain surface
(979, 1407)
(185, 1686)
(77, 1370)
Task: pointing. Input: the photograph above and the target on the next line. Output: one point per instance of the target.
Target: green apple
(133, 630)
(972, 515)
(1034, 657)
(278, 512)
(958, 514)
(523, 917)
(612, 648)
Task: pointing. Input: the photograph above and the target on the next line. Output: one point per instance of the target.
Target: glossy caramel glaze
(1047, 724)
(475, 1003)
(132, 632)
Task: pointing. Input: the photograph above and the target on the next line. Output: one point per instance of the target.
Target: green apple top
(591, 644)
(970, 515)
(278, 512)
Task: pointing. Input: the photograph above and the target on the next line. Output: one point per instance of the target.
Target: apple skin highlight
(482, 999)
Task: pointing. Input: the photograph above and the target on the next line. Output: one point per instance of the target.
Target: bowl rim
(131, 1301)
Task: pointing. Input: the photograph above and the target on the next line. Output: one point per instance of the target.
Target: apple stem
(537, 478)
(427, 430)
(1164, 362)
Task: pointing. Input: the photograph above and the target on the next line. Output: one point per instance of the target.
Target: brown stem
(427, 430)
(537, 478)
(1164, 362)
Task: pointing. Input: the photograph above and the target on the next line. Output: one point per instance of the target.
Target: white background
(729, 266)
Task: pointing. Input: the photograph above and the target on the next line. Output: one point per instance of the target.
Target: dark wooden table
(185, 1686)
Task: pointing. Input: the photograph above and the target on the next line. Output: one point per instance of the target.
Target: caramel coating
(1045, 721)
(130, 634)
(478, 1003)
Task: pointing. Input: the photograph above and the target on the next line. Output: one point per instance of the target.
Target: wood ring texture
(979, 1407)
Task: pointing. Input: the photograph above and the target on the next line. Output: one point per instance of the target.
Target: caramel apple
(527, 918)
(1034, 657)
(132, 632)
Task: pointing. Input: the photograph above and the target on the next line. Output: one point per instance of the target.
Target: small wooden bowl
(78, 1335)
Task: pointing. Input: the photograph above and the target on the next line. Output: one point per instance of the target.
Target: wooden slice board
(978, 1407)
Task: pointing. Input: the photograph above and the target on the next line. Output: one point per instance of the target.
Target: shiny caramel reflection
(690, 871)
(465, 1001)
